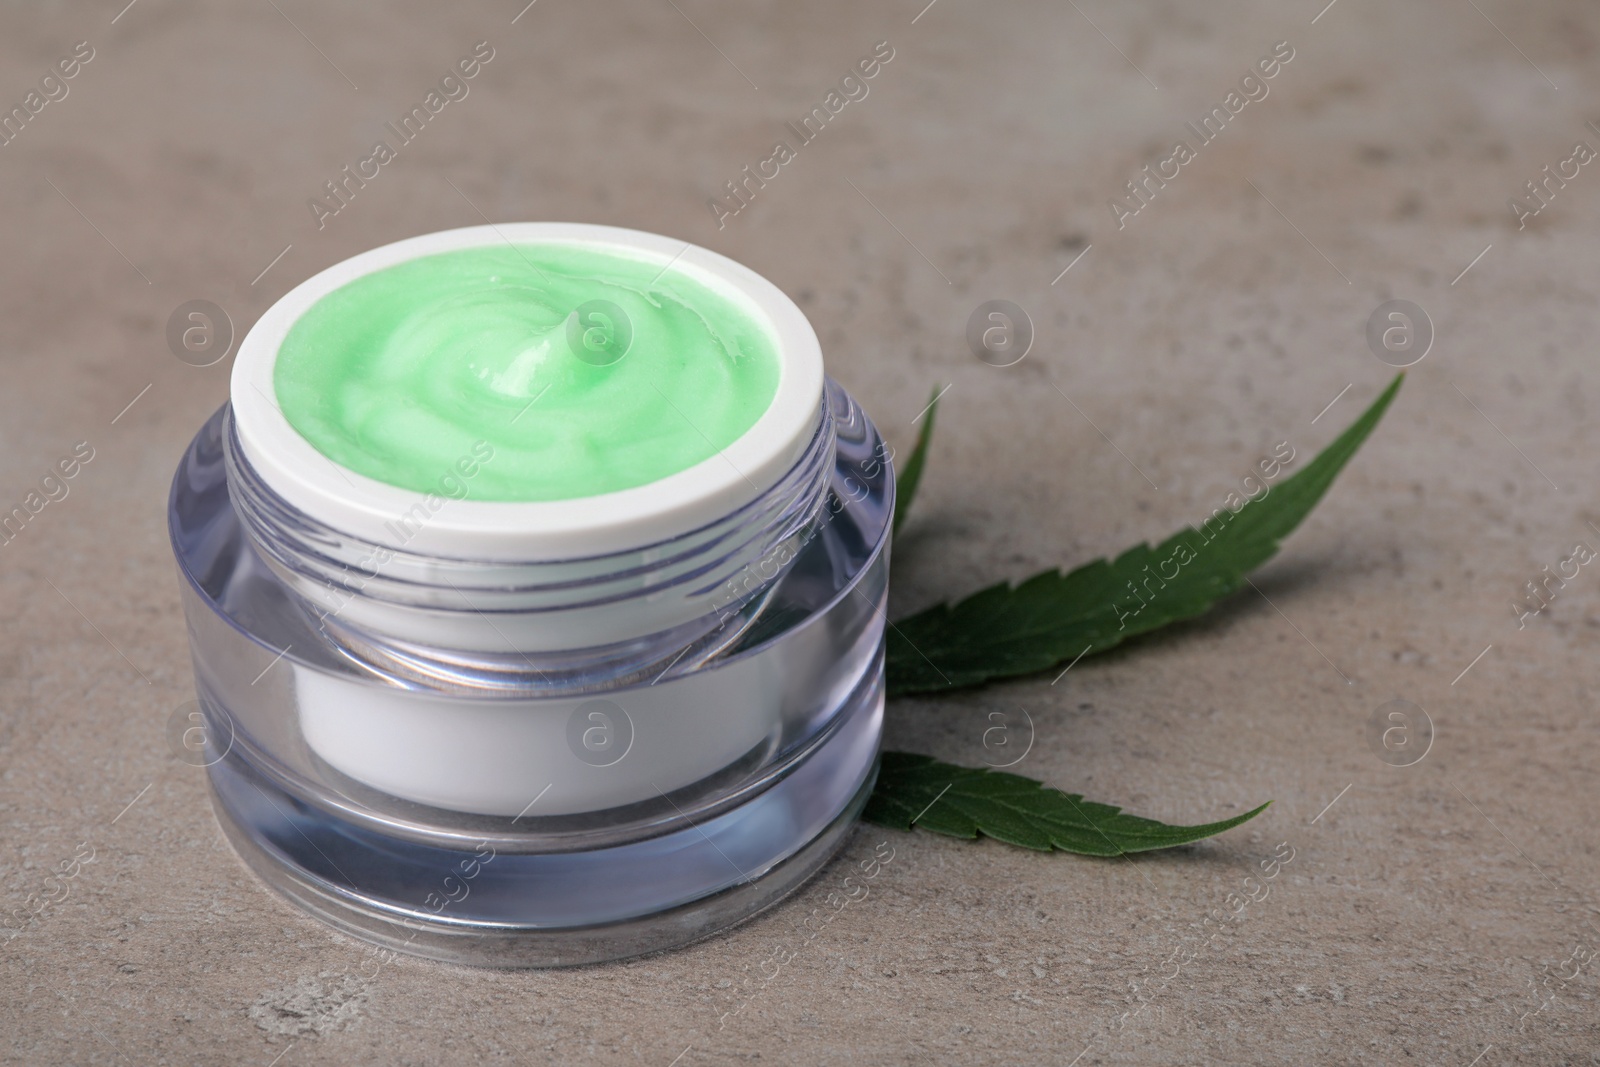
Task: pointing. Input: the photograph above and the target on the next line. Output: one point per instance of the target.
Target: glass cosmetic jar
(536, 732)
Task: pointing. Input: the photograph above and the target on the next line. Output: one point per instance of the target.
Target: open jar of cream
(535, 579)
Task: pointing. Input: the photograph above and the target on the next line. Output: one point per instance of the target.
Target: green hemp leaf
(967, 801)
(1053, 618)
(910, 476)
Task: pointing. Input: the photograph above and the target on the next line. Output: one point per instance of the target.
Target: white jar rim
(493, 530)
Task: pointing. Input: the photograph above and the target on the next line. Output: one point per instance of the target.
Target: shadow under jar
(550, 731)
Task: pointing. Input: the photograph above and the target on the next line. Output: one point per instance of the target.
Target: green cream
(399, 374)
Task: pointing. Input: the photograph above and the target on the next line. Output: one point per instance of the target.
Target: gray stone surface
(1426, 916)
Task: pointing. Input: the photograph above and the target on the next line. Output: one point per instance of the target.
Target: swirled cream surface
(587, 372)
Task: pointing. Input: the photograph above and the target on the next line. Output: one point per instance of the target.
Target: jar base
(477, 906)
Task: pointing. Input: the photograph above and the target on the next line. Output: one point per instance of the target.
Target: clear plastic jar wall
(508, 807)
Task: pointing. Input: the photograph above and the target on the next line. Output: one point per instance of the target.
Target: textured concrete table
(1441, 912)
